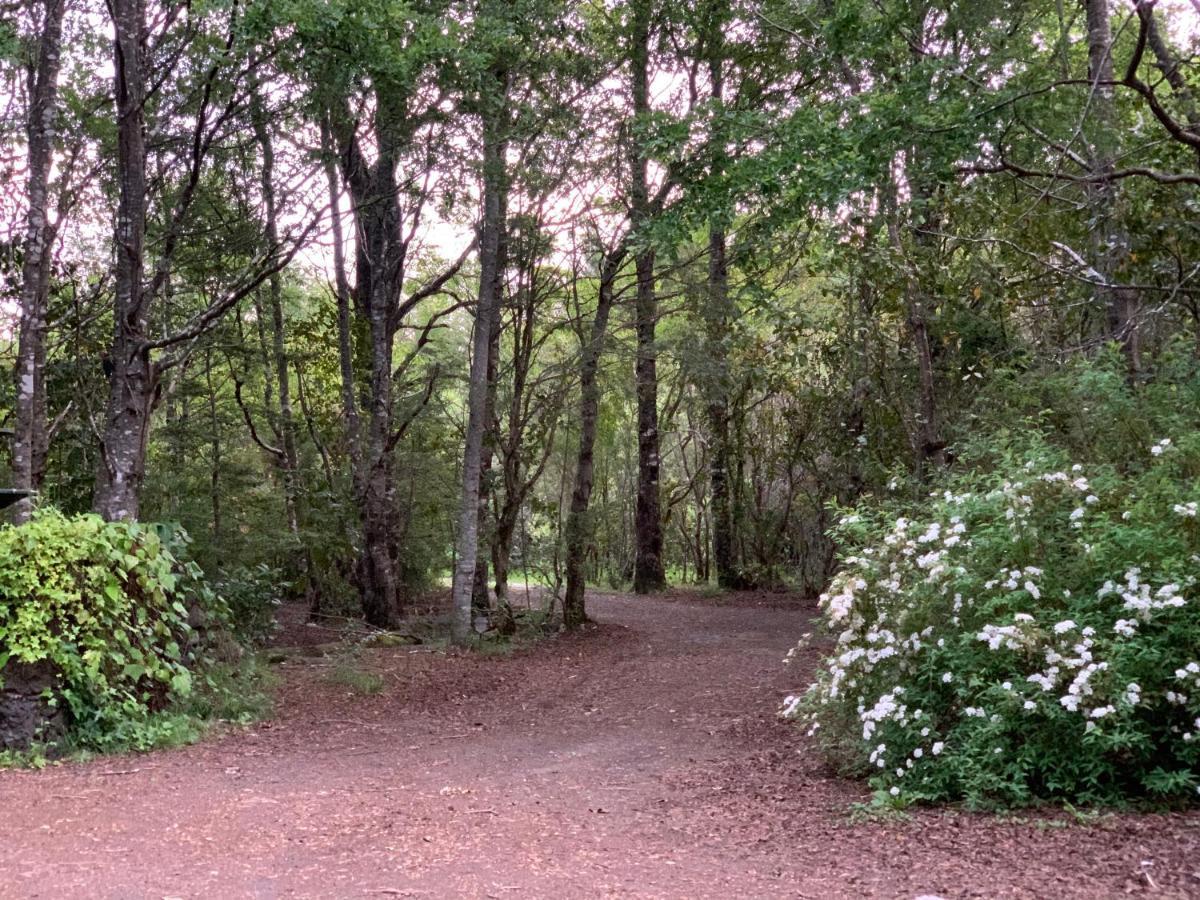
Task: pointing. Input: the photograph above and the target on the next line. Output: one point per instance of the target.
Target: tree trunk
(31, 435)
(1110, 242)
(579, 527)
(490, 243)
(378, 582)
(341, 286)
(648, 571)
(379, 274)
(480, 601)
(133, 380)
(718, 321)
(214, 480)
(502, 541)
(289, 461)
(930, 449)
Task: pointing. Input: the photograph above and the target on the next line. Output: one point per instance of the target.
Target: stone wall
(25, 716)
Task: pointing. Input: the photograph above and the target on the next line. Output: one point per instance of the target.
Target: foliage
(251, 595)
(116, 613)
(1031, 629)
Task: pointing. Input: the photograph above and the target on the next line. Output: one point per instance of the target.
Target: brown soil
(641, 758)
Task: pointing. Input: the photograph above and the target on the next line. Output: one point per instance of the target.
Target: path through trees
(638, 759)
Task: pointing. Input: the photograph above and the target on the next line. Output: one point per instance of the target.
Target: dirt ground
(639, 759)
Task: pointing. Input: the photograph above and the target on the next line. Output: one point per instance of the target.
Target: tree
(494, 114)
(210, 109)
(31, 435)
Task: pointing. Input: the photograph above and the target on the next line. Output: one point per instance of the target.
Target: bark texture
(31, 432)
(288, 459)
(1110, 241)
(133, 379)
(718, 320)
(486, 309)
(719, 317)
(648, 571)
(578, 531)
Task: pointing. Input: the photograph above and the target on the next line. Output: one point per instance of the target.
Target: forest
(475, 335)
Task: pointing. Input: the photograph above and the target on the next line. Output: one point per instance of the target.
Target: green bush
(1031, 630)
(107, 605)
(252, 595)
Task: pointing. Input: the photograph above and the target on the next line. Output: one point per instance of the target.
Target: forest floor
(641, 758)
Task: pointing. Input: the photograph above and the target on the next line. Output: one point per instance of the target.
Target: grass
(349, 673)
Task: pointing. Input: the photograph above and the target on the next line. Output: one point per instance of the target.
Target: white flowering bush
(1029, 632)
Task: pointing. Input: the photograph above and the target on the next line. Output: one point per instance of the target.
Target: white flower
(1063, 627)
(1033, 591)
(918, 753)
(937, 748)
(1029, 704)
(895, 791)
(1125, 627)
(946, 676)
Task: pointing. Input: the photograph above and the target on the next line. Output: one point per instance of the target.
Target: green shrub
(1032, 630)
(107, 605)
(252, 595)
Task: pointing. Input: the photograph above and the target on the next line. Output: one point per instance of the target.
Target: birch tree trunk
(31, 438)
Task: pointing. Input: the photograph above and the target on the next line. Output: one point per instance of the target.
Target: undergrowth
(1030, 630)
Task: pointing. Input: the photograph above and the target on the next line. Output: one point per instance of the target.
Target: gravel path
(639, 759)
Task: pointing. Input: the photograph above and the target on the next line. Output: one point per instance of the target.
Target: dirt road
(640, 759)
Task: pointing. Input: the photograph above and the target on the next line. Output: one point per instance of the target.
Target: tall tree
(494, 116)
(31, 437)
(579, 529)
(376, 79)
(718, 318)
(649, 574)
(206, 110)
(287, 456)
(1110, 242)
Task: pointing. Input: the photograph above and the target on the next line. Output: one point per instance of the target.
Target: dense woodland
(365, 292)
(371, 296)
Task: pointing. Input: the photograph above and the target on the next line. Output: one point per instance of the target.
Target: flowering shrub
(1032, 633)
